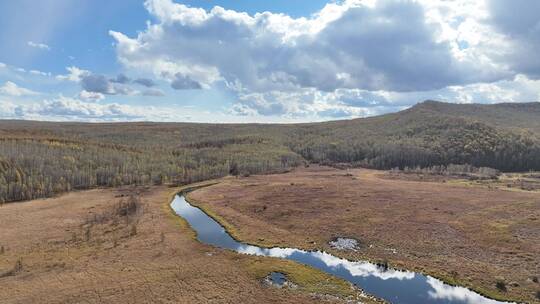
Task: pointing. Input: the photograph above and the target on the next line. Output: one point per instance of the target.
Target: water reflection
(395, 286)
(455, 293)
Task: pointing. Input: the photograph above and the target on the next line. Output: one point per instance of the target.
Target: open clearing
(470, 235)
(82, 247)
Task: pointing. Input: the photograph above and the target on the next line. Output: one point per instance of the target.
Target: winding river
(394, 286)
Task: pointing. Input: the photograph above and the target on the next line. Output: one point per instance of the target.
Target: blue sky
(80, 28)
(261, 61)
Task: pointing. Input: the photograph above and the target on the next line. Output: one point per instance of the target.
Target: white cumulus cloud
(93, 96)
(64, 108)
(74, 74)
(387, 46)
(12, 89)
(351, 58)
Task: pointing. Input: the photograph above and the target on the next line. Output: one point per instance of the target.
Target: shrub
(130, 207)
(87, 234)
(500, 285)
(18, 266)
(133, 231)
(383, 265)
(233, 169)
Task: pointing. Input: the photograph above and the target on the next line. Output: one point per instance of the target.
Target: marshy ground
(125, 246)
(483, 237)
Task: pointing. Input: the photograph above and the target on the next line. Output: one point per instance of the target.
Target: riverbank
(477, 237)
(102, 246)
(376, 279)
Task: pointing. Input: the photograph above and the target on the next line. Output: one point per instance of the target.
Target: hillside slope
(429, 133)
(514, 116)
(39, 159)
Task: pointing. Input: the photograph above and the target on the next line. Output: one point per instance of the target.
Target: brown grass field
(462, 233)
(79, 248)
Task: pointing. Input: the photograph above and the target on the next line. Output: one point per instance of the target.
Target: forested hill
(516, 116)
(40, 159)
(502, 136)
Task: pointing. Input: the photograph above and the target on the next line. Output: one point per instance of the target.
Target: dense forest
(40, 159)
(431, 133)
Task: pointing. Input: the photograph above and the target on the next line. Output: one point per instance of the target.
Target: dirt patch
(125, 246)
(474, 236)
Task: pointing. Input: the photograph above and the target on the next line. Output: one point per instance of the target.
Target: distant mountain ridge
(507, 115)
(504, 136)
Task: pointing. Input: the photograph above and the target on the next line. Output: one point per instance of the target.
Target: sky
(261, 61)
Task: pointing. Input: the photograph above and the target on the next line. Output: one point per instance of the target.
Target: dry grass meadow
(102, 246)
(473, 235)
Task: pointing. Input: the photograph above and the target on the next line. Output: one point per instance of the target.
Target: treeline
(39, 159)
(465, 170)
(418, 142)
(32, 169)
(511, 154)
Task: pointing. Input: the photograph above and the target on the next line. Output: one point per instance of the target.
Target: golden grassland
(77, 248)
(465, 233)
